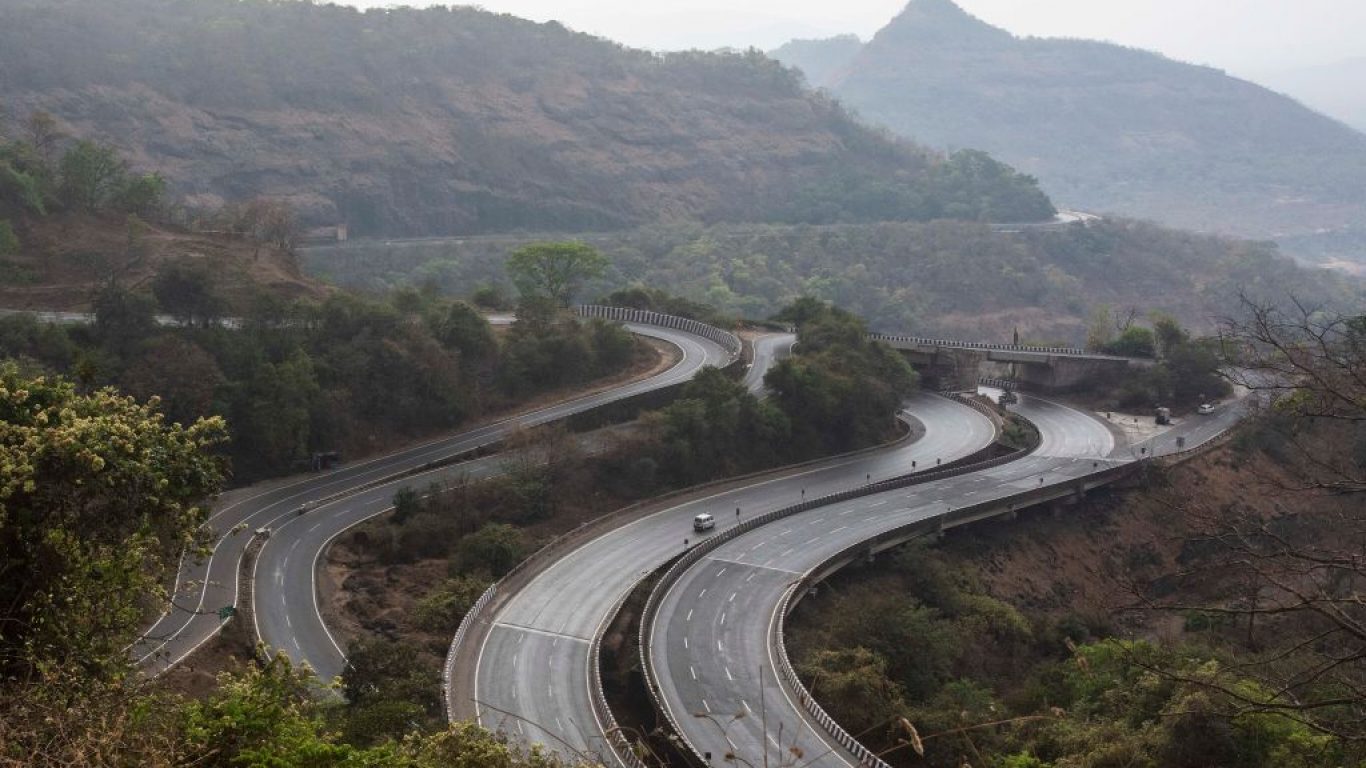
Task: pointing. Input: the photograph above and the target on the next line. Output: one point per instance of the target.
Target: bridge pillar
(953, 369)
(1061, 373)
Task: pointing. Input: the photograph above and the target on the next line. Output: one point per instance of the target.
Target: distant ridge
(1105, 127)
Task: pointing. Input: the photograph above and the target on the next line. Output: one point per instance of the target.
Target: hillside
(65, 259)
(1107, 128)
(1334, 89)
(460, 121)
(948, 278)
(821, 61)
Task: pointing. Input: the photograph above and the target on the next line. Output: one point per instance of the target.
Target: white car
(703, 522)
(1205, 409)
(263, 532)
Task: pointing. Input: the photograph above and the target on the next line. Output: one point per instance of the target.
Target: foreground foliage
(350, 375)
(97, 494)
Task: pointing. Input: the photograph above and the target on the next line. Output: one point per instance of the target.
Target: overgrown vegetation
(1185, 371)
(349, 375)
(41, 172)
(944, 279)
(918, 638)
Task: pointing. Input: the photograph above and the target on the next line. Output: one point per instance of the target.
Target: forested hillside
(455, 121)
(947, 278)
(1103, 127)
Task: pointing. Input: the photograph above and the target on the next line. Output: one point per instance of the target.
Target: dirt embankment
(63, 259)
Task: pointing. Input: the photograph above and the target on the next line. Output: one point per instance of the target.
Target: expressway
(712, 643)
(204, 586)
(532, 675)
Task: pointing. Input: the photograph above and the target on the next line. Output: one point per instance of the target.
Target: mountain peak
(940, 21)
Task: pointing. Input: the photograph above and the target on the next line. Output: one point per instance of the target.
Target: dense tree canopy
(554, 271)
(842, 391)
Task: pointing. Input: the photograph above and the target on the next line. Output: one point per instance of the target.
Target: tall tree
(90, 174)
(188, 293)
(554, 271)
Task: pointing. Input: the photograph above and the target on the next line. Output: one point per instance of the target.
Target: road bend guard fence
(729, 341)
(954, 344)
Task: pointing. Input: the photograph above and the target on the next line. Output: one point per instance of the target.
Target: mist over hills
(455, 121)
(1104, 127)
(1334, 89)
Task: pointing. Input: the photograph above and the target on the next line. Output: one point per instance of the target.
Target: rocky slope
(457, 121)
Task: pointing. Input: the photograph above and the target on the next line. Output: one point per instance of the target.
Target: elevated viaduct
(958, 365)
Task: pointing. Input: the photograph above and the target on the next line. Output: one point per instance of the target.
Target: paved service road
(768, 350)
(532, 672)
(712, 638)
(204, 587)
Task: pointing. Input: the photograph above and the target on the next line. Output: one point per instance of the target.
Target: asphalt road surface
(768, 350)
(203, 587)
(532, 672)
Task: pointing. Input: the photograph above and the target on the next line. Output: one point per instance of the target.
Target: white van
(703, 522)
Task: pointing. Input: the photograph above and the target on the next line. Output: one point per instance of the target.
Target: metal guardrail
(726, 339)
(1009, 385)
(621, 746)
(466, 622)
(977, 405)
(953, 344)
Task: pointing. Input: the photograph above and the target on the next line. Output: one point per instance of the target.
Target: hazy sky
(1245, 36)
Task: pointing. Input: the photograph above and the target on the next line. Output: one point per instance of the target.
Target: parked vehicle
(703, 522)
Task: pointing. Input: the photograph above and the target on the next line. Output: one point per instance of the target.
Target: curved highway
(532, 672)
(712, 639)
(204, 587)
(767, 351)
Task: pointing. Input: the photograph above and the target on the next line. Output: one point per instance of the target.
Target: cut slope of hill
(1109, 128)
(66, 258)
(457, 121)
